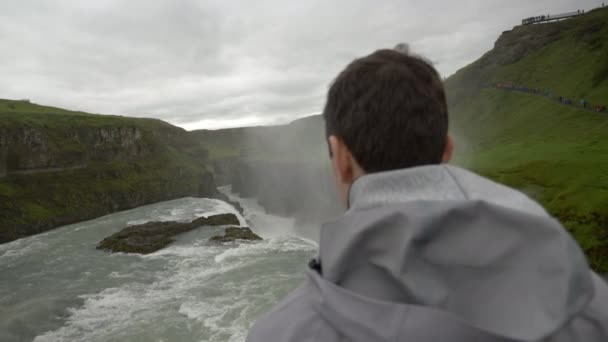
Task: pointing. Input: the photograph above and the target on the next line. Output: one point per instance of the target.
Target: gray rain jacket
(437, 253)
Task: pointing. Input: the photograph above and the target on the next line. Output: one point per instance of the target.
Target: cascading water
(57, 287)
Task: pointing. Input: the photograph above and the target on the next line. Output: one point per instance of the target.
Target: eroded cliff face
(58, 168)
(3, 161)
(32, 148)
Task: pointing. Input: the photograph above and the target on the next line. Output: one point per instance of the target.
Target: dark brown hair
(390, 109)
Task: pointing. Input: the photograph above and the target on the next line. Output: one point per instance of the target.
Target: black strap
(315, 264)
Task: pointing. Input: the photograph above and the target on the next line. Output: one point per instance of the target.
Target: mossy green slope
(557, 154)
(58, 167)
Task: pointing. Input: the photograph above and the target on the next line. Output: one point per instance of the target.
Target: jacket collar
(434, 183)
(419, 183)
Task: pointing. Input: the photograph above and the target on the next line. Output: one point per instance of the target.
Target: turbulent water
(57, 287)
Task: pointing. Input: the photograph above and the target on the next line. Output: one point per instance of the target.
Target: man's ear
(342, 160)
(449, 150)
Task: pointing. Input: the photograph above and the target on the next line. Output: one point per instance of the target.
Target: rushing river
(57, 287)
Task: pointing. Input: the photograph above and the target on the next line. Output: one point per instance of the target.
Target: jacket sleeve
(293, 319)
(591, 325)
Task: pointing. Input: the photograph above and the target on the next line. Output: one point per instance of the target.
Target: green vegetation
(557, 154)
(62, 167)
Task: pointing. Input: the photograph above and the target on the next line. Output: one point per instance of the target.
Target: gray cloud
(214, 63)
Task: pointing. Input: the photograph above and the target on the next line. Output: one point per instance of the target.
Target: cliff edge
(59, 167)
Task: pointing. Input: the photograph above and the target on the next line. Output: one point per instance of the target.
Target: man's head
(384, 112)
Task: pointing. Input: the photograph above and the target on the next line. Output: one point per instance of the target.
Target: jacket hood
(443, 245)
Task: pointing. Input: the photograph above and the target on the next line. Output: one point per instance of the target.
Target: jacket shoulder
(295, 318)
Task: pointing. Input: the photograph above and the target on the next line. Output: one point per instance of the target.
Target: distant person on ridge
(428, 251)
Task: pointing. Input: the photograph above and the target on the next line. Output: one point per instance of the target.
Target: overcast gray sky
(221, 63)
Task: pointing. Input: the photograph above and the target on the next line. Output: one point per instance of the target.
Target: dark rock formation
(152, 236)
(236, 233)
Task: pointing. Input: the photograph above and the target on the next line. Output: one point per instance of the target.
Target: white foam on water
(212, 290)
(262, 223)
(118, 275)
(107, 313)
(280, 244)
(19, 248)
(188, 209)
(126, 310)
(120, 310)
(211, 315)
(14, 251)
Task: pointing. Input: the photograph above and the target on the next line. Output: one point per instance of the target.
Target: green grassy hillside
(557, 154)
(59, 166)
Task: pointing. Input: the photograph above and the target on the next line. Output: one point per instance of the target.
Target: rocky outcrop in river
(151, 236)
(236, 233)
